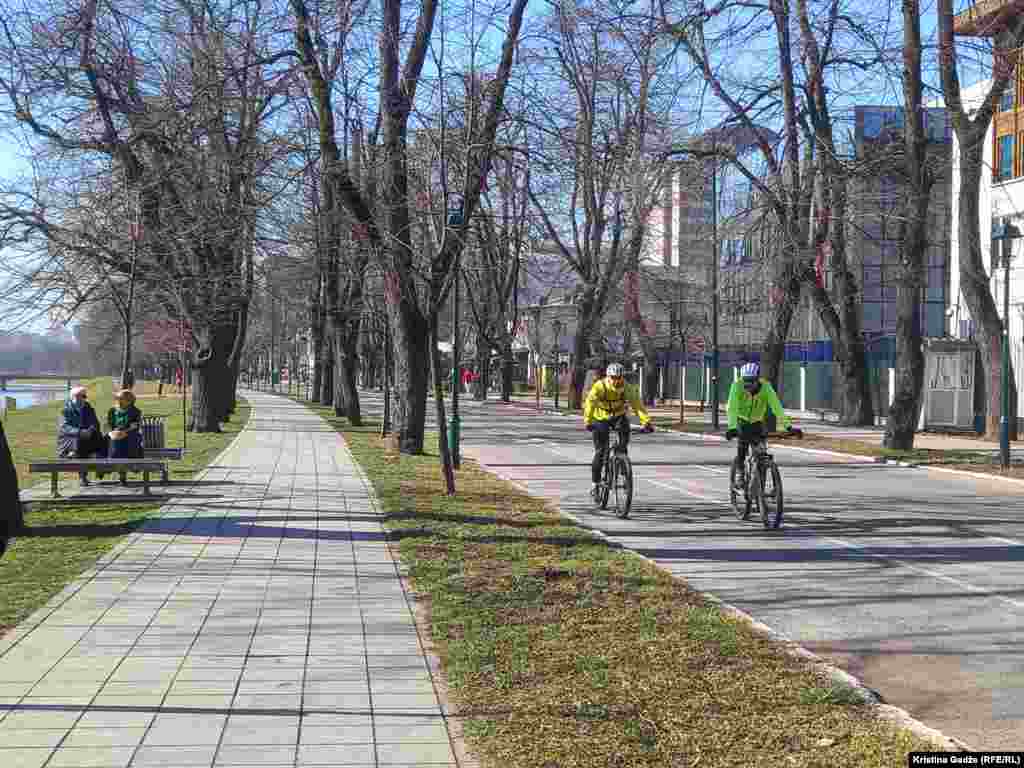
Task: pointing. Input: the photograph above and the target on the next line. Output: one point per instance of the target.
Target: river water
(27, 395)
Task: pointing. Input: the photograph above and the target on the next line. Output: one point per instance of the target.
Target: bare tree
(598, 153)
(502, 234)
(344, 258)
(182, 119)
(385, 218)
(902, 420)
(1007, 38)
(803, 190)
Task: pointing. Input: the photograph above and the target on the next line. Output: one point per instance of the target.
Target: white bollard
(803, 387)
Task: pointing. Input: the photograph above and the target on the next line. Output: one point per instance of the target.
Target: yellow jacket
(604, 401)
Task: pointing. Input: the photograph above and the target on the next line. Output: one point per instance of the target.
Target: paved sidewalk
(259, 621)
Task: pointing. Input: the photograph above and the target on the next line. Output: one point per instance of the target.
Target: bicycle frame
(757, 468)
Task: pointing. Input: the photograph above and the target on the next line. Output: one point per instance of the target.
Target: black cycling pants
(602, 432)
(747, 433)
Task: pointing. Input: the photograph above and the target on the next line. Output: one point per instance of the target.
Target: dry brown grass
(561, 650)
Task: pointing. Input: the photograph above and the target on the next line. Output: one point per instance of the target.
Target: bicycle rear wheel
(623, 486)
(740, 506)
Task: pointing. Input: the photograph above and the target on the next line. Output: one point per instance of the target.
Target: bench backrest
(152, 432)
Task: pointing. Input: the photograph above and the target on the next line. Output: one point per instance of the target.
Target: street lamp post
(1005, 233)
(556, 327)
(455, 220)
(714, 297)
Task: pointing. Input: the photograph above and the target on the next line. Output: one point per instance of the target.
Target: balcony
(985, 18)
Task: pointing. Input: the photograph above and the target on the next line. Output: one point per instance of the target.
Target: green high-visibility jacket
(751, 408)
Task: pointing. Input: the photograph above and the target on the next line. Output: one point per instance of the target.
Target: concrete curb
(894, 715)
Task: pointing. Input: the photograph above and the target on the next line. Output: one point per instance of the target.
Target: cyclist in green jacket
(750, 397)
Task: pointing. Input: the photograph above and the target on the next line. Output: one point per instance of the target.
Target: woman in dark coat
(79, 435)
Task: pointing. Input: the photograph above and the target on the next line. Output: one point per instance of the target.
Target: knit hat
(75, 391)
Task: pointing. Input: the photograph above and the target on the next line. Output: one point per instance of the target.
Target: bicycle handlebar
(797, 433)
(787, 435)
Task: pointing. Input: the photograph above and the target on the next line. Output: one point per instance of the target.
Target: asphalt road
(909, 579)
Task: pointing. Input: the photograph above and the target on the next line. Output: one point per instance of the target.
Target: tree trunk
(211, 375)
(773, 353)
(483, 370)
(12, 517)
(508, 371)
(348, 363)
(901, 424)
(327, 371)
(581, 355)
(339, 395)
(127, 375)
(442, 434)
(204, 399)
(317, 373)
(974, 282)
(410, 337)
(855, 406)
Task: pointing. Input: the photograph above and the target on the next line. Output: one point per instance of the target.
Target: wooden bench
(108, 466)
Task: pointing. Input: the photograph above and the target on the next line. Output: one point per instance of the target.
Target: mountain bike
(616, 477)
(763, 486)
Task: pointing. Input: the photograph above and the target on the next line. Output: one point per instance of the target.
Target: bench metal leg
(164, 477)
(53, 485)
(145, 483)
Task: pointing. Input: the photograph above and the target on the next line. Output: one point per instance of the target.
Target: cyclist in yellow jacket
(750, 397)
(605, 409)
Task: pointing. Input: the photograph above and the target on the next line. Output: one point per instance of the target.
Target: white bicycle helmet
(750, 371)
(615, 369)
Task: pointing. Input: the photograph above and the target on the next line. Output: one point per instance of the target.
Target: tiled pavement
(259, 621)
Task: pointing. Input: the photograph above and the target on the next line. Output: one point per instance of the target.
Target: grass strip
(62, 540)
(561, 650)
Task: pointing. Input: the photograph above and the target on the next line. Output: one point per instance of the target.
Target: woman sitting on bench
(79, 435)
(125, 423)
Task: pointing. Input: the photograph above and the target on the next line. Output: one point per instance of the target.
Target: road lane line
(688, 492)
(928, 572)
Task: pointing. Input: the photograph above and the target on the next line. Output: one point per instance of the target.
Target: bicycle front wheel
(606, 485)
(623, 486)
(767, 489)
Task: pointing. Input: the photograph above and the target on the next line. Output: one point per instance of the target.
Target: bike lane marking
(841, 542)
(961, 583)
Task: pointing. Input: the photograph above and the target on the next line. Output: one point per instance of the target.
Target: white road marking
(928, 572)
(960, 583)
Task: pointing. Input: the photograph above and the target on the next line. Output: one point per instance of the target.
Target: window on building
(1009, 97)
(936, 283)
(872, 283)
(1004, 158)
(872, 316)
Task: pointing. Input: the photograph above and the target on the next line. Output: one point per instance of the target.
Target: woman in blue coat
(79, 435)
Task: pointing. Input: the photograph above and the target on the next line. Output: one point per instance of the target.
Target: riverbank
(30, 395)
